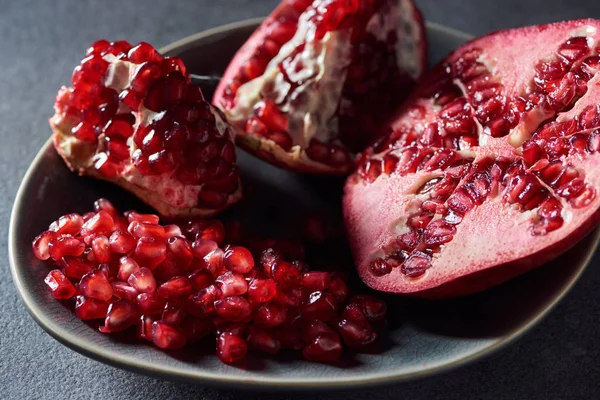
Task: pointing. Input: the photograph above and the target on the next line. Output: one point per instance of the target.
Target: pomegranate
(490, 168)
(176, 290)
(133, 118)
(312, 85)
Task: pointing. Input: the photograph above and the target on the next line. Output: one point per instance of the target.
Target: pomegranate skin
(277, 142)
(533, 141)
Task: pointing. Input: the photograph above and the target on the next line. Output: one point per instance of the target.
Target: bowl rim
(132, 363)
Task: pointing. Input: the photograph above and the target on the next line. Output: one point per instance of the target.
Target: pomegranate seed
(100, 224)
(175, 288)
(268, 259)
(109, 271)
(137, 217)
(320, 305)
(233, 308)
(149, 252)
(150, 303)
(122, 290)
(60, 286)
(143, 52)
(270, 315)
(261, 340)
(95, 285)
(173, 314)
(127, 266)
(372, 307)
(380, 267)
(167, 337)
(195, 329)
(201, 279)
(172, 231)
(65, 246)
(315, 281)
(144, 229)
(144, 327)
(75, 267)
(69, 224)
(121, 242)
(286, 274)
(142, 280)
(97, 47)
(180, 249)
(87, 308)
(293, 297)
(201, 304)
(41, 242)
(356, 334)
(316, 328)
(262, 290)
(202, 247)
(232, 284)
(213, 261)
(121, 315)
(338, 289)
(325, 347)
(231, 348)
(239, 259)
(101, 248)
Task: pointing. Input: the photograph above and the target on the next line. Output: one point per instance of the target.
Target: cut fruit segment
(317, 79)
(490, 169)
(133, 118)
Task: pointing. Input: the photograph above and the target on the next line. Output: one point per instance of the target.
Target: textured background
(40, 43)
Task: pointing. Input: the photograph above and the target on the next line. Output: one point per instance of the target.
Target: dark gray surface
(43, 40)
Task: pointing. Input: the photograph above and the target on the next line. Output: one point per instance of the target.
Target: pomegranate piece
(304, 92)
(69, 224)
(167, 337)
(199, 288)
(231, 348)
(133, 118)
(87, 308)
(65, 246)
(502, 130)
(59, 285)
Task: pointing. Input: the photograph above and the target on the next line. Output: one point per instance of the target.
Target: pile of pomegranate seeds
(178, 284)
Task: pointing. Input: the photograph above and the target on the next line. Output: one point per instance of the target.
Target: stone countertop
(40, 43)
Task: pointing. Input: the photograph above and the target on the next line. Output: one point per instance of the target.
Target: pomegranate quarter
(318, 78)
(491, 168)
(133, 118)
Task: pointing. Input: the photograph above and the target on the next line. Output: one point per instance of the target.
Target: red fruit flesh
(490, 169)
(177, 290)
(133, 118)
(314, 82)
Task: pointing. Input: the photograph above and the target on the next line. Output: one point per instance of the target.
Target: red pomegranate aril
(285, 274)
(149, 252)
(142, 280)
(268, 113)
(106, 166)
(75, 267)
(380, 267)
(105, 205)
(127, 266)
(173, 314)
(101, 249)
(163, 93)
(87, 308)
(167, 337)
(234, 308)
(69, 224)
(121, 315)
(65, 246)
(338, 288)
(144, 229)
(201, 279)
(356, 334)
(109, 271)
(213, 261)
(232, 284)
(95, 285)
(202, 303)
(121, 242)
(144, 327)
(202, 247)
(122, 290)
(172, 231)
(59, 285)
(262, 340)
(262, 290)
(292, 297)
(100, 224)
(178, 287)
(41, 242)
(270, 315)
(137, 217)
(231, 348)
(150, 303)
(321, 306)
(324, 348)
(239, 259)
(373, 308)
(315, 281)
(97, 47)
(315, 328)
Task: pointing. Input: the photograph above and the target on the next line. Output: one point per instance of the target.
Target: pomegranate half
(133, 118)
(316, 80)
(491, 168)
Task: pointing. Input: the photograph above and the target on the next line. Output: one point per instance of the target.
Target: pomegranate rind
(296, 159)
(78, 154)
(493, 243)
